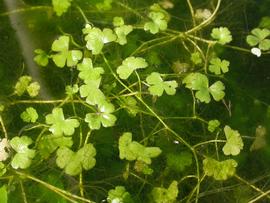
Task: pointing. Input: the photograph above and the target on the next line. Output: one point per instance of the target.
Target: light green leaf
(74, 162)
(71, 90)
(60, 125)
(129, 65)
(260, 139)
(42, 58)
(130, 104)
(213, 125)
(33, 89)
(163, 195)
(122, 32)
(105, 5)
(3, 194)
(92, 92)
(24, 155)
(88, 72)
(216, 91)
(118, 21)
(222, 35)
(157, 85)
(119, 195)
(200, 83)
(95, 38)
(30, 115)
(61, 6)
(103, 116)
(219, 170)
(132, 150)
(49, 143)
(217, 66)
(22, 85)
(265, 22)
(196, 58)
(258, 37)
(64, 55)
(3, 170)
(158, 22)
(234, 142)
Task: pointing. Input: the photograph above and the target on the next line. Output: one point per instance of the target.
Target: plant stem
(3, 127)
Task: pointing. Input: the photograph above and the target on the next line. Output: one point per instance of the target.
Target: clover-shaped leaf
(178, 162)
(162, 195)
(132, 150)
(118, 21)
(61, 6)
(200, 83)
(29, 115)
(64, 55)
(49, 143)
(42, 58)
(122, 32)
(24, 155)
(157, 85)
(218, 66)
(219, 170)
(92, 92)
(119, 194)
(88, 72)
(95, 38)
(129, 65)
(22, 85)
(213, 125)
(60, 125)
(196, 58)
(222, 35)
(258, 37)
(104, 116)
(33, 89)
(158, 22)
(234, 142)
(74, 162)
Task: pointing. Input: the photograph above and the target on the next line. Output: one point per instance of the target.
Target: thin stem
(81, 184)
(207, 142)
(23, 192)
(191, 12)
(3, 127)
(52, 188)
(21, 10)
(130, 9)
(207, 21)
(83, 14)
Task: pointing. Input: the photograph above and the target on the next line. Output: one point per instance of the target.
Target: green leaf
(71, 90)
(3, 194)
(219, 170)
(217, 66)
(4, 149)
(22, 85)
(3, 170)
(158, 22)
(132, 150)
(258, 37)
(163, 195)
(217, 90)
(61, 6)
(103, 116)
(122, 32)
(179, 162)
(119, 195)
(33, 89)
(265, 22)
(129, 65)
(74, 162)
(118, 21)
(64, 55)
(130, 104)
(30, 115)
(49, 143)
(105, 5)
(142, 167)
(60, 125)
(95, 38)
(157, 85)
(24, 155)
(42, 58)
(200, 83)
(260, 139)
(88, 72)
(222, 35)
(234, 142)
(92, 92)
(196, 58)
(213, 125)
